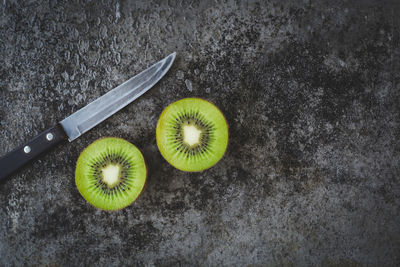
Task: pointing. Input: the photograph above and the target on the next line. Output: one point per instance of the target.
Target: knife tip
(170, 57)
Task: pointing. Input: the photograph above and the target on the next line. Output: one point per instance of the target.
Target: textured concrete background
(311, 92)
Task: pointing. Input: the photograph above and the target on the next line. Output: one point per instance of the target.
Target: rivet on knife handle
(31, 149)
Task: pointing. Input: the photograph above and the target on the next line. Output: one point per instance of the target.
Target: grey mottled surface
(311, 92)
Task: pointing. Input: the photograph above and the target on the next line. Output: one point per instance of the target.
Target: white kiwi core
(191, 135)
(111, 174)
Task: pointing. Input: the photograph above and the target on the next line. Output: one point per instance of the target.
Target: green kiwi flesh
(192, 134)
(110, 173)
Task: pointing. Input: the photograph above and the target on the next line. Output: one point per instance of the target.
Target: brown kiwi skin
(227, 125)
(145, 182)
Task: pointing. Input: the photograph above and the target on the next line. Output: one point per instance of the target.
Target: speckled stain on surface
(311, 95)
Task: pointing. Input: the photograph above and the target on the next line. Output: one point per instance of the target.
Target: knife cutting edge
(86, 118)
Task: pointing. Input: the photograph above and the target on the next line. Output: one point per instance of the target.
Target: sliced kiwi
(110, 173)
(192, 134)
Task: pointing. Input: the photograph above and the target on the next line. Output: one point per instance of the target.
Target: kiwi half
(110, 173)
(192, 134)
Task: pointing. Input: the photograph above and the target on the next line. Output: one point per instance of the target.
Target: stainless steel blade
(103, 107)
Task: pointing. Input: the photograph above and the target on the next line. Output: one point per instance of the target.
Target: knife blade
(85, 118)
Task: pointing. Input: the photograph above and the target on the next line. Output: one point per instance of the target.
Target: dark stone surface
(311, 92)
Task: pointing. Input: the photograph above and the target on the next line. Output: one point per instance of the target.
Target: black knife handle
(31, 149)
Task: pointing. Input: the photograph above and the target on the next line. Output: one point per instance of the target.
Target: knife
(86, 118)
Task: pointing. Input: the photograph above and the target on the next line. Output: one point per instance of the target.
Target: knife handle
(30, 150)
